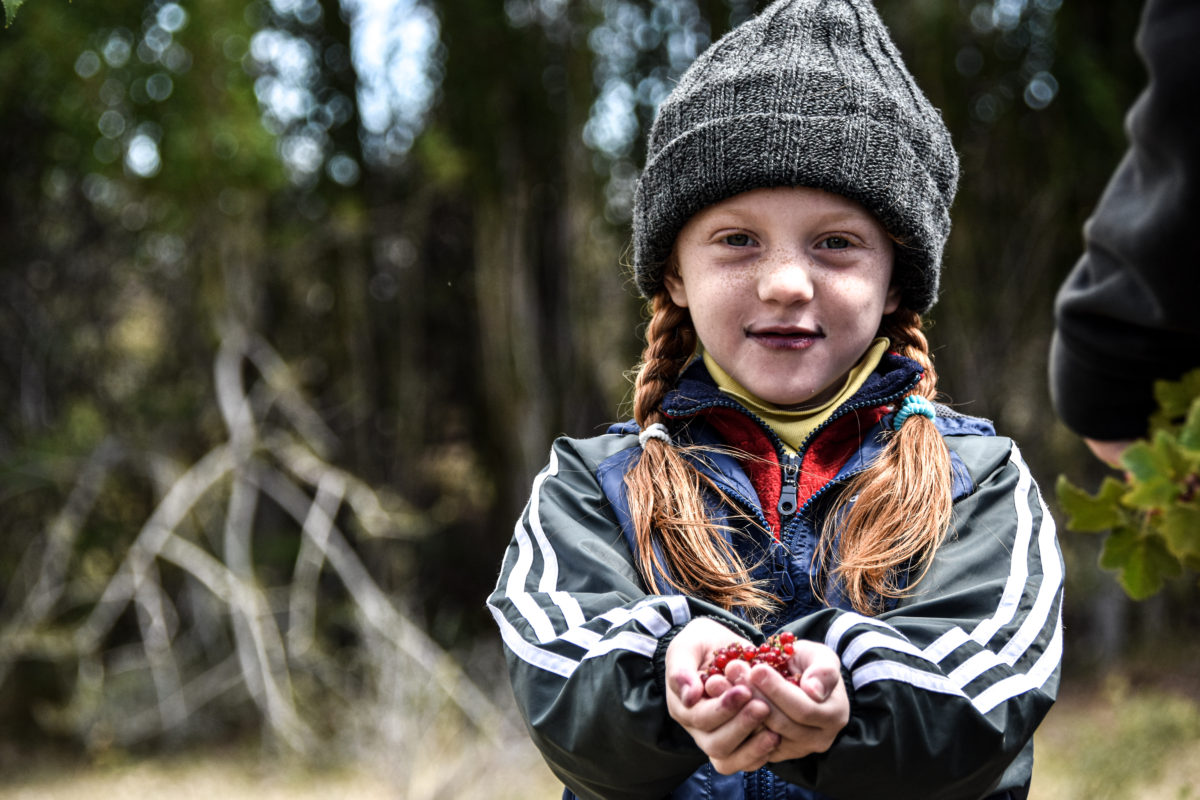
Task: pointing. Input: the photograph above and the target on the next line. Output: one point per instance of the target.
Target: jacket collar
(696, 391)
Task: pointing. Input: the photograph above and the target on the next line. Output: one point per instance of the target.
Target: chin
(786, 399)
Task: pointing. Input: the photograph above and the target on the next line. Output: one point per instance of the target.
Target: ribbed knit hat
(808, 93)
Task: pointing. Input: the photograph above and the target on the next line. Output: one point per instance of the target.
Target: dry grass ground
(203, 777)
(1121, 741)
(1134, 735)
(217, 777)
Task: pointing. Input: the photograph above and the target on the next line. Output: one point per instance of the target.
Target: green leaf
(1180, 527)
(1117, 547)
(1087, 513)
(1152, 495)
(1152, 468)
(1175, 399)
(10, 10)
(1156, 523)
(1143, 562)
(1189, 435)
(1149, 459)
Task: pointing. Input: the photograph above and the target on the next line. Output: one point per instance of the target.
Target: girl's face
(786, 288)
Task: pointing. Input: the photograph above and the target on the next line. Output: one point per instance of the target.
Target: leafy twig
(1152, 514)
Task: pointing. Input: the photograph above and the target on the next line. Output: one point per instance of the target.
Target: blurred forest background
(294, 295)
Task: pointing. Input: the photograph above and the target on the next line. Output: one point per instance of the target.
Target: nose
(786, 278)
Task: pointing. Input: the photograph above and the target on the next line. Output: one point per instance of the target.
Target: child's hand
(722, 716)
(807, 718)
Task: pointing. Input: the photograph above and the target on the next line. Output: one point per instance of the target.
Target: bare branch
(167, 516)
(302, 602)
(57, 552)
(227, 596)
(403, 522)
(259, 644)
(141, 725)
(308, 423)
(153, 605)
(384, 618)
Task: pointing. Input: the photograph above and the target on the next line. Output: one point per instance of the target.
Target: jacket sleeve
(1125, 316)
(584, 642)
(947, 688)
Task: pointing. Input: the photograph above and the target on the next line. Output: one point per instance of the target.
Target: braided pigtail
(897, 511)
(676, 538)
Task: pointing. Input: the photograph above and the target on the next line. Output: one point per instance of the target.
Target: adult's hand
(1108, 452)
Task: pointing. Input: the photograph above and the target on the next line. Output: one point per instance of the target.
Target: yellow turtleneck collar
(793, 426)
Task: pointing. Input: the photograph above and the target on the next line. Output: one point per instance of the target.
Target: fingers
(730, 731)
(716, 685)
(684, 685)
(754, 753)
(819, 667)
(816, 687)
(687, 655)
(807, 717)
(721, 714)
(749, 716)
(701, 712)
(794, 712)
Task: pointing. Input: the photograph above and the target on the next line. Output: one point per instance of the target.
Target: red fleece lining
(825, 456)
(762, 466)
(832, 449)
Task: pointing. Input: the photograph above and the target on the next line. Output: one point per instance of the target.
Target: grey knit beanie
(808, 93)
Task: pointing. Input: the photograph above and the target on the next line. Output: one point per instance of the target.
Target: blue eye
(835, 243)
(739, 240)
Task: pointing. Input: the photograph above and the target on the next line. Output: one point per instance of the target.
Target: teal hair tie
(913, 404)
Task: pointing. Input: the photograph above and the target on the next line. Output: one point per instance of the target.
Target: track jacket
(946, 686)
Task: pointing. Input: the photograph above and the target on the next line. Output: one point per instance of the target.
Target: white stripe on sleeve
(1012, 651)
(595, 641)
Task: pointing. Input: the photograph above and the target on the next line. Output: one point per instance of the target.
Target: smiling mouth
(785, 338)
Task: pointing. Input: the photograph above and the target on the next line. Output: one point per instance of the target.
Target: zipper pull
(787, 492)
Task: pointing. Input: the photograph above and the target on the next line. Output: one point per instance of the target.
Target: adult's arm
(1128, 314)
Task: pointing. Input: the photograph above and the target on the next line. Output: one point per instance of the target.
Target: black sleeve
(1126, 315)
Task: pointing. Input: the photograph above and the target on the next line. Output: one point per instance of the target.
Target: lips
(785, 337)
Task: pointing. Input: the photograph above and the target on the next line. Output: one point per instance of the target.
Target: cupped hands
(752, 715)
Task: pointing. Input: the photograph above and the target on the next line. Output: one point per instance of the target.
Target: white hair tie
(655, 431)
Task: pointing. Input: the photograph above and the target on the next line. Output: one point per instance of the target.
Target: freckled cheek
(719, 306)
(724, 290)
(860, 289)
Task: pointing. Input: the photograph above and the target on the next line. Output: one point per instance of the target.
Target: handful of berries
(775, 653)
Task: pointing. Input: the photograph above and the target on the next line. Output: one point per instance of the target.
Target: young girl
(787, 469)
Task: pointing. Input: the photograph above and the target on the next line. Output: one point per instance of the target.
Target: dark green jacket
(946, 687)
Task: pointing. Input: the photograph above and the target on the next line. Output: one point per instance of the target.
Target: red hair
(872, 546)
